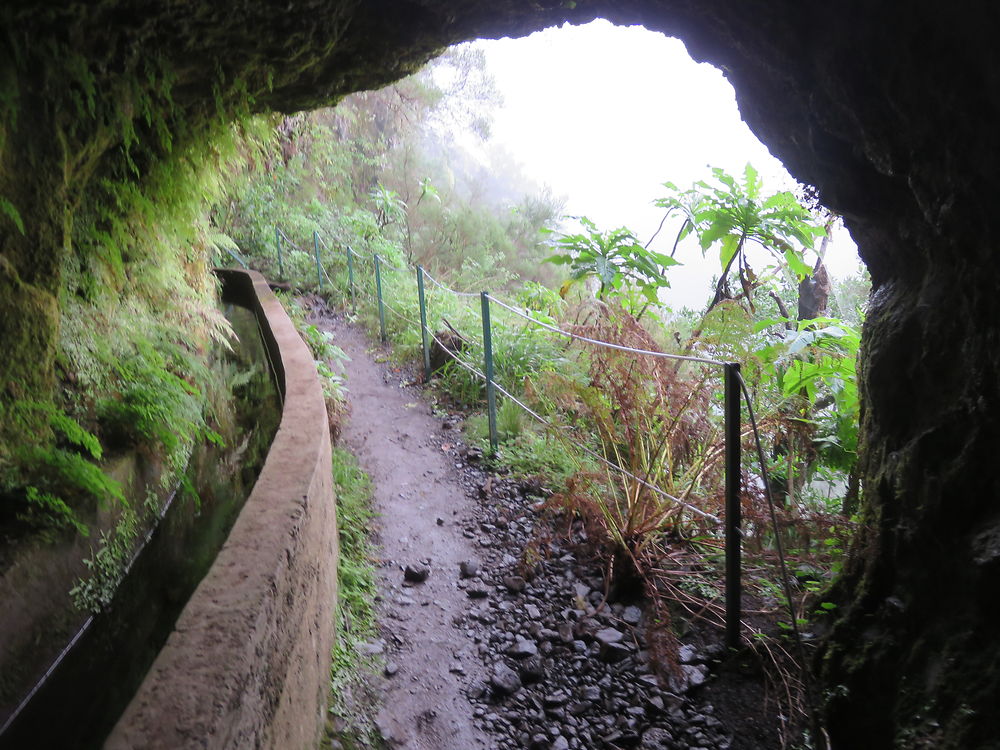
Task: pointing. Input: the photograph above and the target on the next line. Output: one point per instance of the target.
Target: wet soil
(422, 507)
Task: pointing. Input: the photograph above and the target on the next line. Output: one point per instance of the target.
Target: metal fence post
(350, 277)
(491, 394)
(319, 267)
(733, 509)
(277, 242)
(423, 324)
(378, 291)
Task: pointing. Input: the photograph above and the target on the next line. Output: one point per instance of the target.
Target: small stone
(531, 669)
(609, 635)
(522, 649)
(691, 676)
(632, 615)
(476, 691)
(514, 584)
(560, 743)
(439, 521)
(385, 731)
(468, 568)
(552, 700)
(505, 680)
(614, 652)
(416, 573)
(655, 738)
(687, 654)
(477, 591)
(391, 668)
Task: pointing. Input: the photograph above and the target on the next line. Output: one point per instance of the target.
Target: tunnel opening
(892, 129)
(613, 171)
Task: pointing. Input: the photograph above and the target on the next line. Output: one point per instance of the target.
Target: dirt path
(424, 509)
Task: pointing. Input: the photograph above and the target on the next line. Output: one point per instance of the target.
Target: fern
(12, 213)
(48, 511)
(75, 434)
(71, 474)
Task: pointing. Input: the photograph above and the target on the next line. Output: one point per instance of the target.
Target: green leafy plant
(815, 364)
(732, 213)
(614, 258)
(107, 565)
(389, 207)
(356, 589)
(155, 406)
(54, 475)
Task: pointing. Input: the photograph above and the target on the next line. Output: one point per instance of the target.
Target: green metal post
(491, 394)
(378, 291)
(733, 509)
(277, 241)
(350, 277)
(423, 324)
(319, 267)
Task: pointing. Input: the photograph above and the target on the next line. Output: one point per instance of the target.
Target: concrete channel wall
(248, 663)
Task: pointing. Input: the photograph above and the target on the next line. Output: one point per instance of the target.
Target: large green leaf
(730, 245)
(796, 264)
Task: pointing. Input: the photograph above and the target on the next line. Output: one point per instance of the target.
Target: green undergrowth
(352, 703)
(528, 450)
(328, 357)
(138, 317)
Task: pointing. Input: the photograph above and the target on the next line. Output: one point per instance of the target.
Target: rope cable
(610, 464)
(584, 448)
(399, 315)
(782, 563)
(448, 289)
(606, 344)
(459, 360)
(386, 264)
(289, 241)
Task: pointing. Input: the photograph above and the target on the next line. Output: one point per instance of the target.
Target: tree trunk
(814, 293)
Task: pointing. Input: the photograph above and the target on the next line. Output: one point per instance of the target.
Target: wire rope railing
(458, 360)
(610, 464)
(438, 284)
(401, 316)
(371, 288)
(397, 269)
(605, 344)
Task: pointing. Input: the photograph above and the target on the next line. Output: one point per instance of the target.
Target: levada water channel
(66, 673)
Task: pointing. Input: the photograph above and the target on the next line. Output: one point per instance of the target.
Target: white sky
(605, 114)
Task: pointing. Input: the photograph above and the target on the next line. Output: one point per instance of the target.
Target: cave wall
(890, 112)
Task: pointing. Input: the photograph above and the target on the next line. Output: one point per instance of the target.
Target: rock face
(890, 113)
